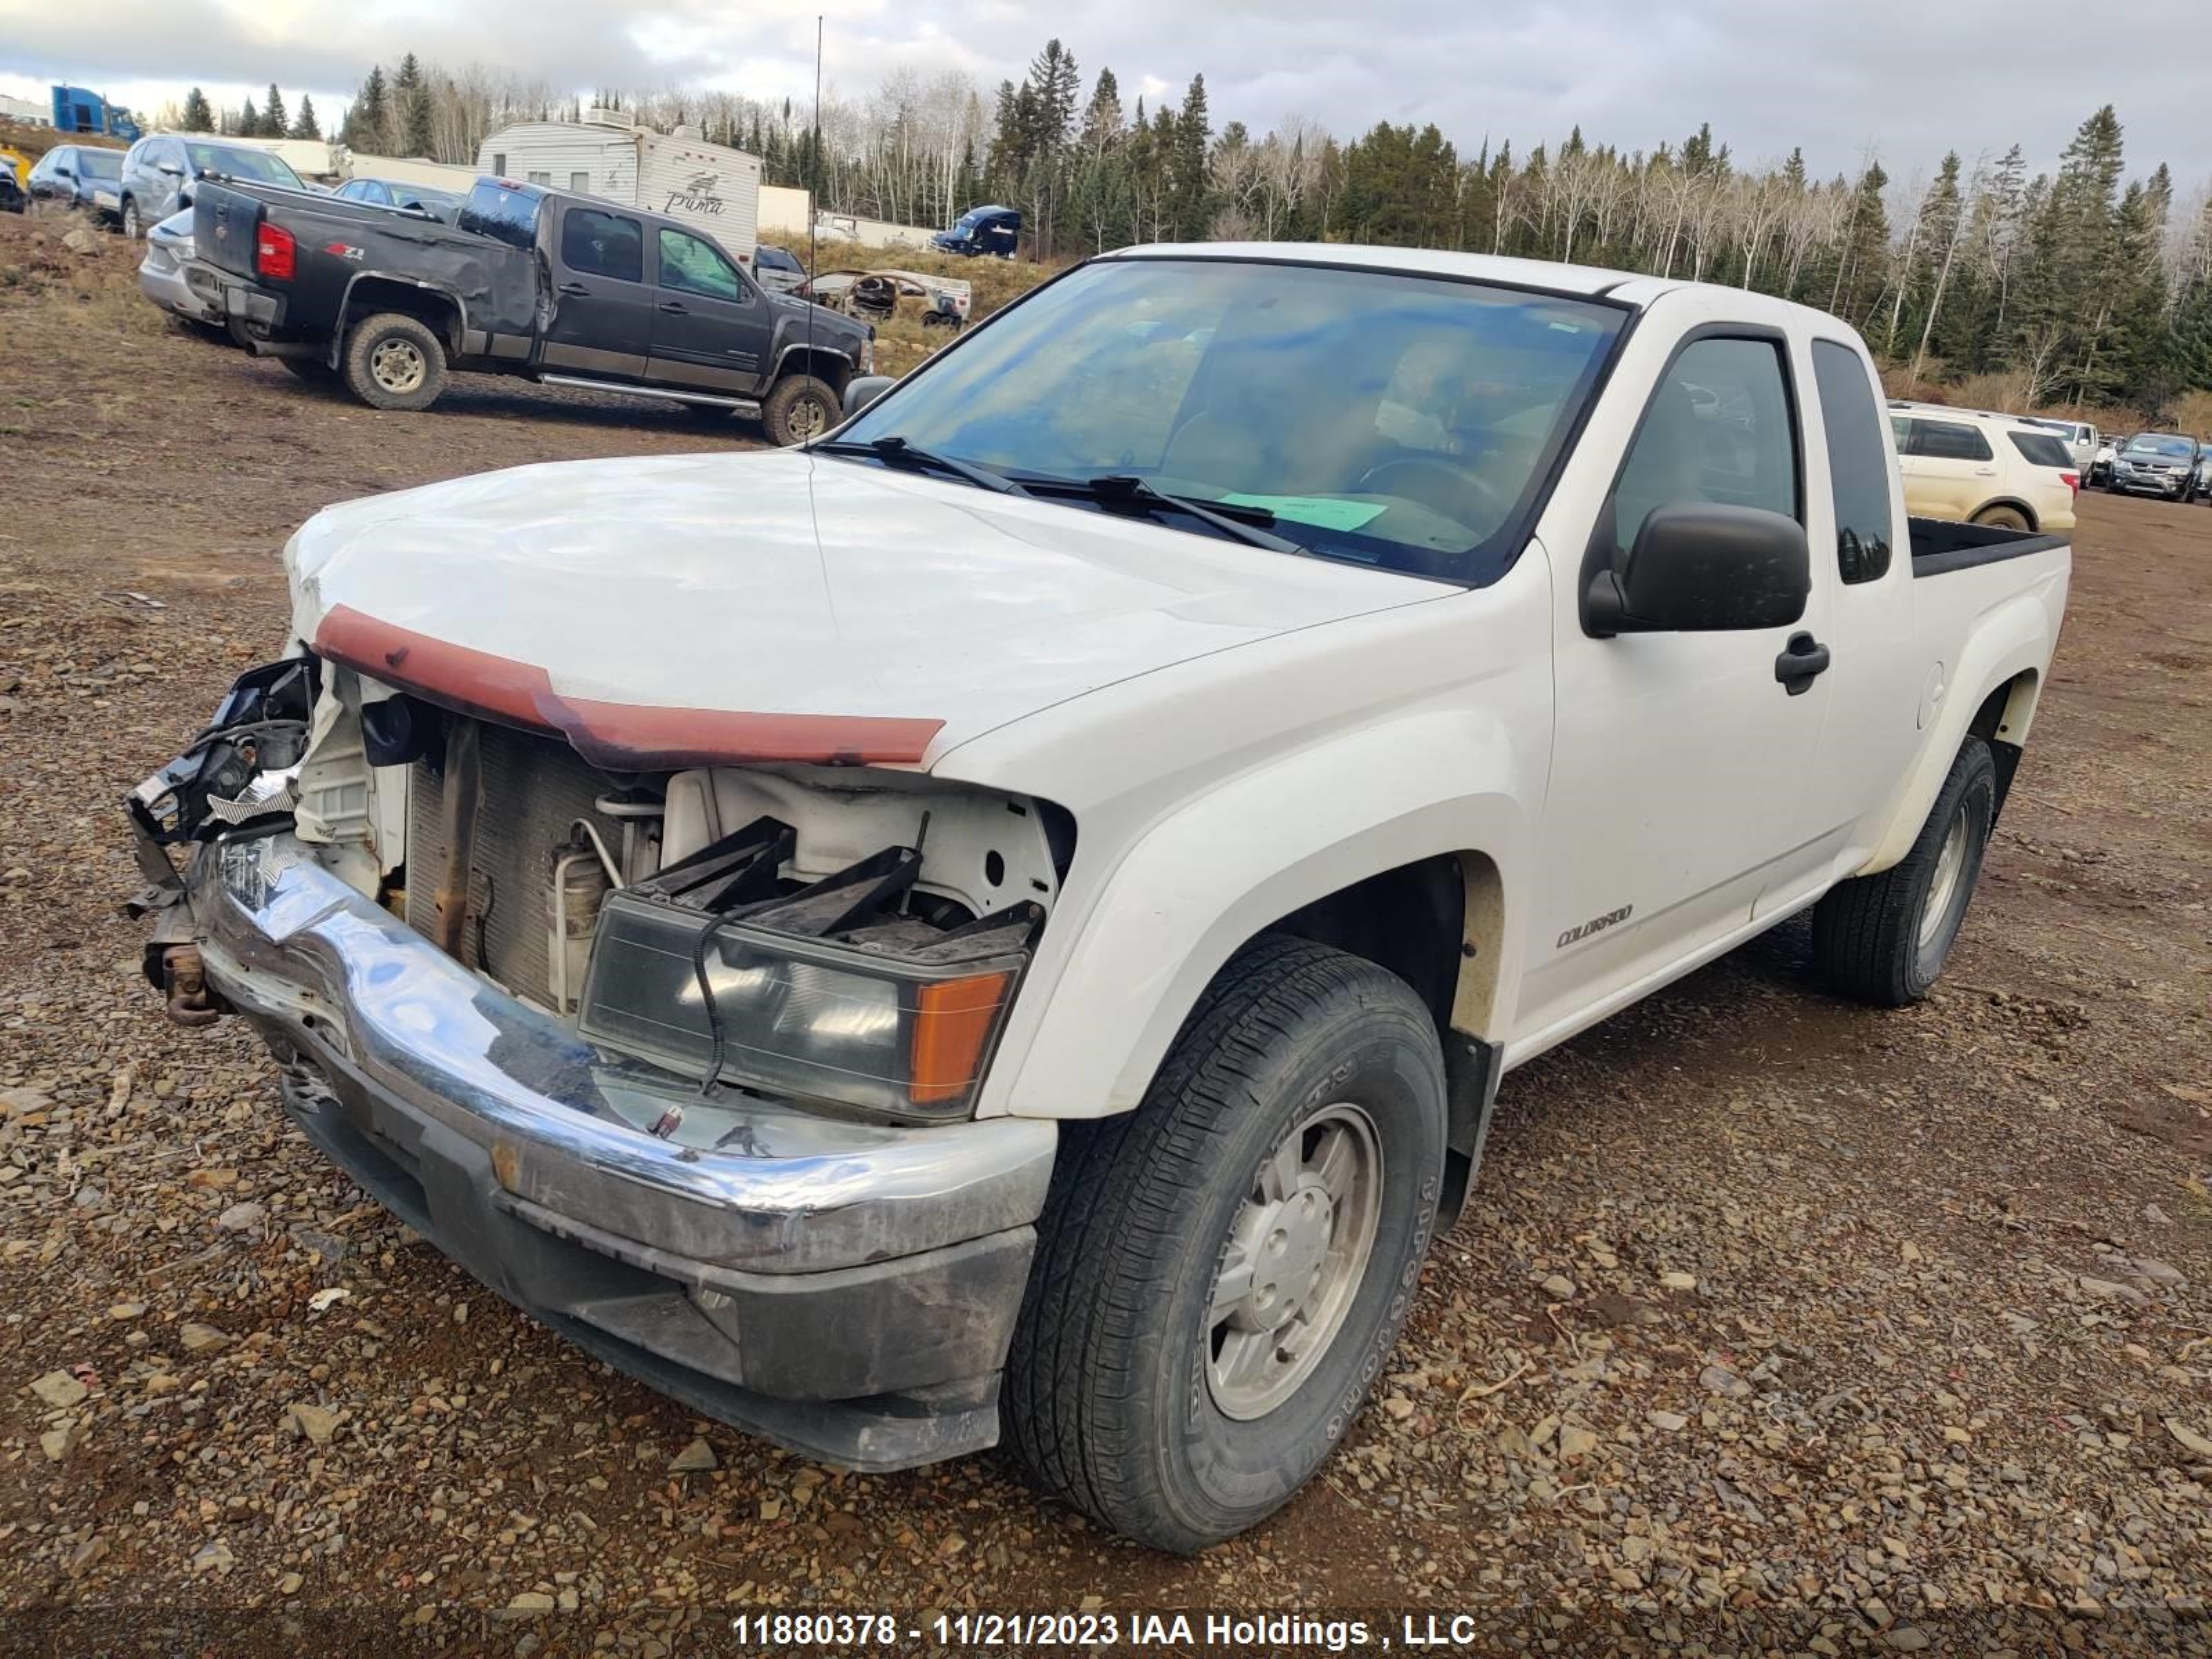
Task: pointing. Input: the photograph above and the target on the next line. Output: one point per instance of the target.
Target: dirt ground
(1775, 1324)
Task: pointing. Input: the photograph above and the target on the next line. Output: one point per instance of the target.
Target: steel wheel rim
(1292, 1267)
(807, 419)
(397, 365)
(1943, 885)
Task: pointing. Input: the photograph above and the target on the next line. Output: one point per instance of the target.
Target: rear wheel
(1883, 938)
(800, 407)
(2003, 518)
(1222, 1273)
(393, 361)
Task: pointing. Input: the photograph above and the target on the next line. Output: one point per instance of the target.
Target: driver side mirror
(864, 390)
(1703, 567)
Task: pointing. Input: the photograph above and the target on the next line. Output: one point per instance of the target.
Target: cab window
(692, 265)
(603, 245)
(1858, 467)
(1719, 429)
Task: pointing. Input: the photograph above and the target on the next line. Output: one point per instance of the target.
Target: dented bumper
(848, 1290)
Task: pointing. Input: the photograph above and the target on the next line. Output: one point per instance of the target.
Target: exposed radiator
(534, 788)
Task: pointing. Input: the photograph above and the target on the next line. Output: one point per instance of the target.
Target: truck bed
(1940, 545)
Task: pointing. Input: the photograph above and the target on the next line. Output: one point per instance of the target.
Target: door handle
(1803, 659)
(576, 289)
(674, 308)
(1985, 472)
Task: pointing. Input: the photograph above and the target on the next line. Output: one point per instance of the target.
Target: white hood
(783, 584)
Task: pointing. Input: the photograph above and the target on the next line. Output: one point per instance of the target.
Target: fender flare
(2012, 639)
(1189, 893)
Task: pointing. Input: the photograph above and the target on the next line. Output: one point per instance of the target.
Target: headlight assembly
(830, 993)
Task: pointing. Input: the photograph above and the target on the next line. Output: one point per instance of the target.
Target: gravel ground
(1775, 1324)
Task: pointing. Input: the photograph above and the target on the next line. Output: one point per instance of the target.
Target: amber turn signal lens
(953, 1020)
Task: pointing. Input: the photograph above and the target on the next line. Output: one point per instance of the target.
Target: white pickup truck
(1012, 918)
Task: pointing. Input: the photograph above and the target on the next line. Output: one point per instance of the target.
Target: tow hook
(184, 977)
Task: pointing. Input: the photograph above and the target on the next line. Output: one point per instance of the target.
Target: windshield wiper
(895, 450)
(1238, 523)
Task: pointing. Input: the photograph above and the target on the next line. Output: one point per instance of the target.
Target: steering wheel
(1458, 483)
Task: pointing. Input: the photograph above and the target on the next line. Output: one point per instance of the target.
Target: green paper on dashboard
(1323, 511)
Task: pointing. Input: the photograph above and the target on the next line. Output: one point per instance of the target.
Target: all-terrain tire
(1110, 1399)
(1883, 938)
(2003, 518)
(393, 361)
(800, 407)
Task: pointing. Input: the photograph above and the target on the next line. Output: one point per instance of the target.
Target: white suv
(1983, 469)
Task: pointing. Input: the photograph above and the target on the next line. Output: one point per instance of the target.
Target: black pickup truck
(563, 290)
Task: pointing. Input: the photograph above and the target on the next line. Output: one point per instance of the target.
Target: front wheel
(798, 409)
(1883, 938)
(393, 361)
(130, 220)
(1221, 1274)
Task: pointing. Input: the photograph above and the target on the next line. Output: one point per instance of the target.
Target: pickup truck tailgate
(224, 224)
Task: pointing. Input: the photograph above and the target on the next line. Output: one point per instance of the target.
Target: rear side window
(1949, 440)
(1718, 429)
(2041, 449)
(603, 245)
(502, 213)
(1859, 466)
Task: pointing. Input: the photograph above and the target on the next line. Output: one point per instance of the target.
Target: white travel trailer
(710, 186)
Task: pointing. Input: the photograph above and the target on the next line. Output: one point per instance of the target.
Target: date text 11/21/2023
(1183, 1631)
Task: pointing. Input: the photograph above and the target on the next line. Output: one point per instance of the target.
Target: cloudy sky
(1911, 77)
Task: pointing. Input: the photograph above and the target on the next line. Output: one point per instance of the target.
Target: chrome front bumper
(846, 1289)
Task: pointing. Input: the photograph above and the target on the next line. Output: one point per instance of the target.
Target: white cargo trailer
(710, 186)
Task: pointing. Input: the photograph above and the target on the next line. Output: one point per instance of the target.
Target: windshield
(256, 165)
(2166, 448)
(1396, 421)
(99, 164)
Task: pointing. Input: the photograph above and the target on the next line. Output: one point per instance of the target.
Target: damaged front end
(686, 1063)
(242, 770)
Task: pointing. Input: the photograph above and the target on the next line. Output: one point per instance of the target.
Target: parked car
(443, 205)
(570, 291)
(983, 230)
(2083, 441)
(941, 301)
(159, 173)
(83, 176)
(2157, 464)
(2204, 473)
(1981, 469)
(174, 277)
(2100, 465)
(1009, 922)
(776, 269)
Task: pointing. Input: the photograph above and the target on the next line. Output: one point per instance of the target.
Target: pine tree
(369, 116)
(249, 121)
(411, 101)
(273, 118)
(1189, 210)
(197, 115)
(304, 125)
